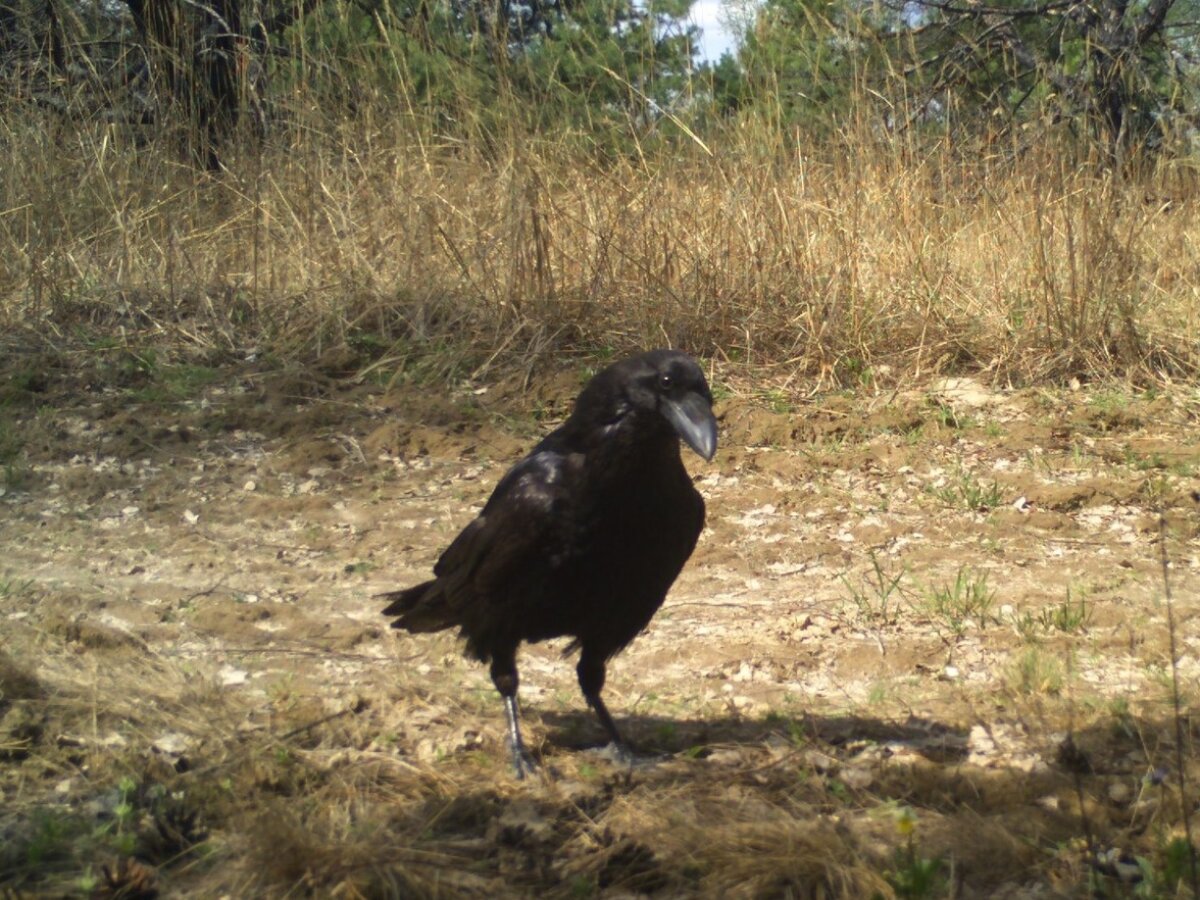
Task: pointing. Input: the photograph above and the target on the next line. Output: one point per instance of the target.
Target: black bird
(581, 538)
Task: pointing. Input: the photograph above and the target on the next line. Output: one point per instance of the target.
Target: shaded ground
(922, 649)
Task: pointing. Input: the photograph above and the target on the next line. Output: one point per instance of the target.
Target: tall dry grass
(866, 254)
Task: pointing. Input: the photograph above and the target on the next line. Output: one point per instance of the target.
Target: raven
(581, 538)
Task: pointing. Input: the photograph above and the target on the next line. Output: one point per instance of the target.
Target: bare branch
(1004, 11)
(1151, 21)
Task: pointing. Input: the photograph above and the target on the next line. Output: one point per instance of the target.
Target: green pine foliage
(600, 69)
(804, 61)
(1119, 74)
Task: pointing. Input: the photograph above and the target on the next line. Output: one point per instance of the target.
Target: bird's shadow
(665, 736)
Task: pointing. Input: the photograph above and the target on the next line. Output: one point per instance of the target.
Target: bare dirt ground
(922, 650)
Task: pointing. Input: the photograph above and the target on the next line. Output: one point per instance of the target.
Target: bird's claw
(619, 754)
(523, 763)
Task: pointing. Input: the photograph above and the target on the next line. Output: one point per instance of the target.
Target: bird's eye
(665, 382)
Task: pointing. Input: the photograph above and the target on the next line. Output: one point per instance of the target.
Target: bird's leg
(591, 681)
(504, 677)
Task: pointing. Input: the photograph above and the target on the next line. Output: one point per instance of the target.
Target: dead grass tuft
(798, 853)
(344, 850)
(17, 681)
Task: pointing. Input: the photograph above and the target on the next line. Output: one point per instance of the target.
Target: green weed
(15, 587)
(1170, 872)
(776, 401)
(171, 384)
(967, 599)
(1068, 616)
(914, 876)
(948, 418)
(965, 491)
(877, 600)
(14, 471)
(1035, 672)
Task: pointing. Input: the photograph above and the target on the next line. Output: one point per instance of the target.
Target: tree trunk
(197, 54)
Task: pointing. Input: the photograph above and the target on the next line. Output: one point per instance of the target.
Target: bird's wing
(523, 531)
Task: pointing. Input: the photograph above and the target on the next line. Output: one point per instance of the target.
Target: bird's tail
(419, 609)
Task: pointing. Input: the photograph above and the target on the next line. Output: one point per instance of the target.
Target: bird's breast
(642, 534)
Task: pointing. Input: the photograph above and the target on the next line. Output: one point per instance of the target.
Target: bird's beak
(692, 417)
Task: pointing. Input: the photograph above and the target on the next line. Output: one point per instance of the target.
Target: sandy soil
(943, 601)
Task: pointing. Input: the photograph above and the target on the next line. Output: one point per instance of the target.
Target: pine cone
(127, 879)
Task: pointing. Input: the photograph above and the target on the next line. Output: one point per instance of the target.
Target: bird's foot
(620, 754)
(523, 763)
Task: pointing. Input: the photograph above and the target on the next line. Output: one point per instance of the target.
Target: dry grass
(307, 802)
(850, 260)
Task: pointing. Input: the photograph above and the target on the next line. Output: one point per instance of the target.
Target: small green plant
(776, 400)
(1183, 469)
(50, 837)
(720, 390)
(369, 343)
(1155, 490)
(1071, 615)
(878, 599)
(948, 418)
(1109, 402)
(796, 733)
(134, 364)
(1123, 724)
(120, 833)
(161, 385)
(967, 599)
(915, 876)
(793, 727)
(14, 587)
(1175, 869)
(124, 838)
(14, 472)
(839, 790)
(1142, 462)
(583, 886)
(965, 491)
(666, 733)
(188, 380)
(28, 381)
(1035, 672)
(87, 882)
(1068, 616)
(1026, 624)
(53, 838)
(857, 371)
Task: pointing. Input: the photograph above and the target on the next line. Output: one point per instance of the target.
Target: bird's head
(666, 383)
